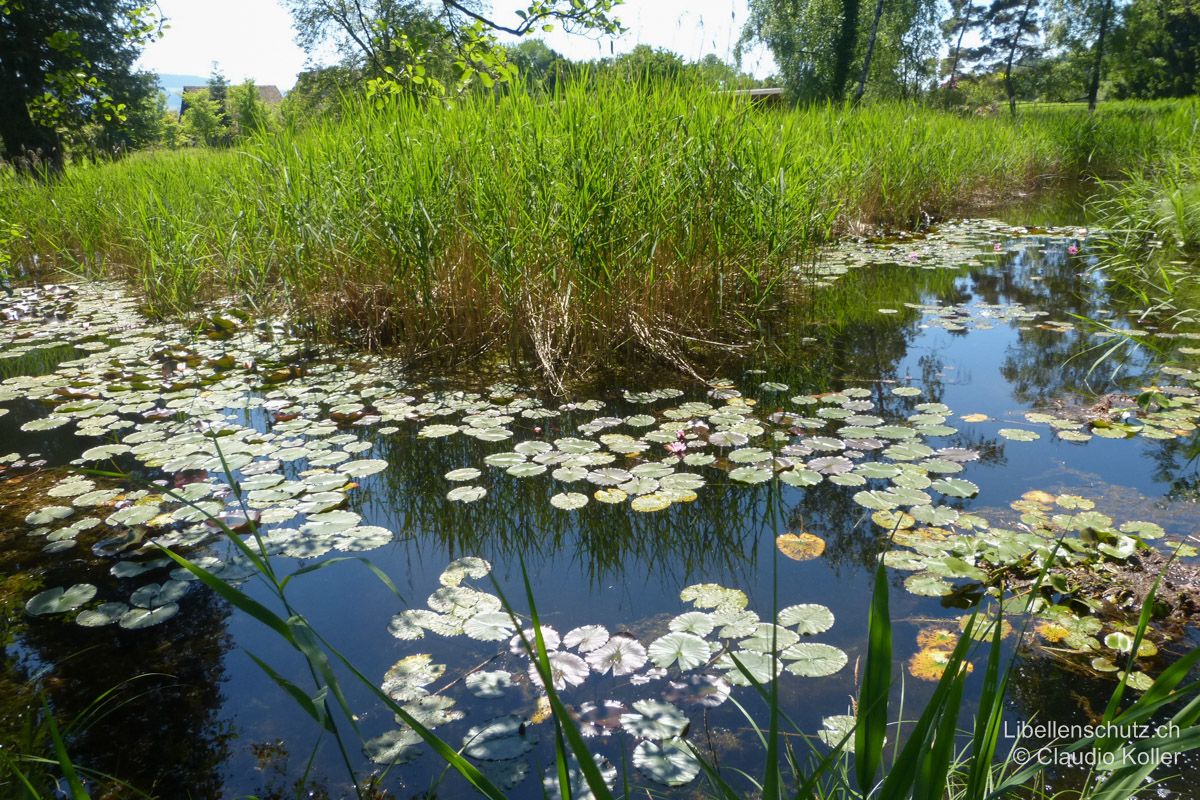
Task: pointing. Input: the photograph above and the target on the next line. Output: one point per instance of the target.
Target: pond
(956, 401)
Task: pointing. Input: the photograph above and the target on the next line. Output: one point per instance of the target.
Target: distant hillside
(173, 86)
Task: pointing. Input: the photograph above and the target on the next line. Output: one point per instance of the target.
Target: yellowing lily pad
(800, 546)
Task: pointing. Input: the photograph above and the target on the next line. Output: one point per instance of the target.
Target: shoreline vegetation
(649, 221)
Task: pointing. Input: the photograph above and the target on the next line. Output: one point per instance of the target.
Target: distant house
(268, 94)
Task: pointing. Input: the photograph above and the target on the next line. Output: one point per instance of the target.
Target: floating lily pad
(653, 719)
(138, 618)
(671, 763)
(501, 739)
(569, 501)
(800, 546)
(1018, 434)
(466, 494)
(101, 615)
(60, 599)
(679, 647)
(814, 660)
(621, 654)
(489, 685)
(806, 618)
(394, 747)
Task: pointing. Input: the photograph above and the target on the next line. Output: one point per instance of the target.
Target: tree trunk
(866, 68)
(1094, 87)
(844, 48)
(1012, 54)
(962, 29)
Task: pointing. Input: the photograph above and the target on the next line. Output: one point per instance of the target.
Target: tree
(319, 93)
(539, 66)
(1157, 51)
(247, 112)
(218, 91)
(202, 120)
(965, 16)
(866, 66)
(1080, 30)
(818, 44)
(65, 64)
(807, 39)
(1011, 29)
(434, 49)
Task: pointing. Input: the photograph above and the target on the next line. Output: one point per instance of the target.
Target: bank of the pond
(622, 221)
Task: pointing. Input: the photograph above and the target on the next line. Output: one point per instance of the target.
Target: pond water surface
(907, 384)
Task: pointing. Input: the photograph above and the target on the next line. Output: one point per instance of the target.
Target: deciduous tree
(65, 64)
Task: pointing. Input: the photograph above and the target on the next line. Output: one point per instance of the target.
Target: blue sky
(254, 38)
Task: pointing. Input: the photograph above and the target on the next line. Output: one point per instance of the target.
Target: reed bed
(625, 220)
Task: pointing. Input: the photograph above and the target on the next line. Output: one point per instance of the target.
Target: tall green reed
(618, 218)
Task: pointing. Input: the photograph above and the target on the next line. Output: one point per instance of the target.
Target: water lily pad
(622, 654)
(466, 494)
(489, 626)
(405, 680)
(927, 585)
(585, 639)
(956, 487)
(60, 599)
(464, 474)
(48, 515)
(800, 546)
(838, 730)
(1018, 434)
(800, 477)
(806, 618)
(650, 503)
(138, 618)
(653, 719)
(814, 660)
(686, 649)
(578, 788)
(462, 568)
(712, 595)
(569, 501)
(394, 747)
(697, 622)
(671, 763)
(101, 615)
(489, 685)
(500, 739)
(154, 595)
(611, 496)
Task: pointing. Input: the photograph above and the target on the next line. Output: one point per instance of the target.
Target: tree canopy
(65, 64)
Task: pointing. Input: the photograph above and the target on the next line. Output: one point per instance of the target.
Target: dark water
(205, 721)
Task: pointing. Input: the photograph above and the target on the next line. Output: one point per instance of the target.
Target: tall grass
(624, 218)
(1151, 238)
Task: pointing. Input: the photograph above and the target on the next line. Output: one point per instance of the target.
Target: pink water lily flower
(997, 247)
(1072, 249)
(677, 448)
(914, 257)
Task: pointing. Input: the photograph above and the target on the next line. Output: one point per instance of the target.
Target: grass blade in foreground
(871, 729)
